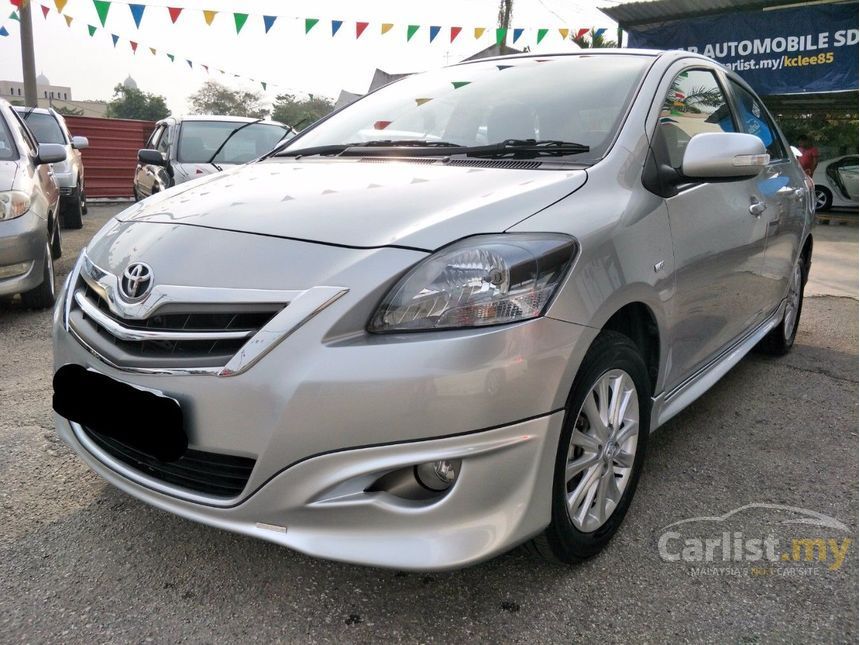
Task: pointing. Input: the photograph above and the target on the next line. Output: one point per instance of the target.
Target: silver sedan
(443, 321)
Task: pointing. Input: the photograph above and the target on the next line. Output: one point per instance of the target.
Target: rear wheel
(780, 340)
(56, 242)
(601, 450)
(823, 199)
(42, 297)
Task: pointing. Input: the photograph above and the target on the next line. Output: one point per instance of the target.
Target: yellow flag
(152, 50)
(564, 32)
(386, 27)
(209, 16)
(68, 20)
(479, 31)
(60, 5)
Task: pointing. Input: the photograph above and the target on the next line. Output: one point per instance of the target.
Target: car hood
(420, 204)
(8, 170)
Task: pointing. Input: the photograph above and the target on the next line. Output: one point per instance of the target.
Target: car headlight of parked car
(13, 204)
(478, 281)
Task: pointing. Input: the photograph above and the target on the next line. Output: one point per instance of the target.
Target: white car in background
(836, 183)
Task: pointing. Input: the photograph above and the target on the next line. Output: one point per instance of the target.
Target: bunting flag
(137, 13)
(564, 31)
(458, 84)
(268, 21)
(45, 11)
(14, 16)
(174, 13)
(501, 34)
(310, 23)
(68, 20)
(115, 39)
(133, 46)
(190, 64)
(264, 84)
(240, 19)
(152, 51)
(4, 31)
(410, 31)
(434, 31)
(580, 33)
(455, 31)
(102, 8)
(386, 27)
(15, 3)
(359, 28)
(171, 57)
(479, 31)
(599, 32)
(91, 29)
(335, 25)
(60, 4)
(540, 34)
(209, 16)
(206, 68)
(420, 102)
(517, 34)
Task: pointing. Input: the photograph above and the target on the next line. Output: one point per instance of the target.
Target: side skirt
(668, 404)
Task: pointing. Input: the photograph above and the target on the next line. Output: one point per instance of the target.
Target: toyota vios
(443, 321)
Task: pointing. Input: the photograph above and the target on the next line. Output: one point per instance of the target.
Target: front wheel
(601, 450)
(823, 199)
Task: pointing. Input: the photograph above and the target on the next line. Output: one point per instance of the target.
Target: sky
(286, 58)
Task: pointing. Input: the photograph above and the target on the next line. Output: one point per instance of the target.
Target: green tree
(132, 103)
(592, 40)
(300, 112)
(214, 98)
(68, 110)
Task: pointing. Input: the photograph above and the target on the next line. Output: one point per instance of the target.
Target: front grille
(210, 473)
(205, 336)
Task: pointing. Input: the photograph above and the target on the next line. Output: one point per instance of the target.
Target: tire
(84, 208)
(72, 212)
(780, 340)
(823, 199)
(43, 296)
(602, 462)
(135, 194)
(56, 243)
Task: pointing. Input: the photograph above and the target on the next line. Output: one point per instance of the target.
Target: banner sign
(784, 51)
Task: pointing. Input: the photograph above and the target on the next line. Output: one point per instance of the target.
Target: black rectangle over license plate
(148, 422)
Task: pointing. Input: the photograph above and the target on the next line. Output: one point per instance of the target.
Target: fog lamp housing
(438, 475)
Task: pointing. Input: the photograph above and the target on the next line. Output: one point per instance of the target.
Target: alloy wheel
(820, 199)
(793, 302)
(602, 450)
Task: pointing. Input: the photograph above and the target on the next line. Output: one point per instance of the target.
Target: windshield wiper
(338, 148)
(224, 143)
(525, 148)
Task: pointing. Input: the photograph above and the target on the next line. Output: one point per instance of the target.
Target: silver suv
(444, 320)
(49, 126)
(184, 148)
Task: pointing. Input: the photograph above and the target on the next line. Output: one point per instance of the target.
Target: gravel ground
(83, 562)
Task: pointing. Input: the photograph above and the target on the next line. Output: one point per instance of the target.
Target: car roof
(35, 110)
(217, 117)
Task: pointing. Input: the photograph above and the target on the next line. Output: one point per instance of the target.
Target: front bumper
(22, 241)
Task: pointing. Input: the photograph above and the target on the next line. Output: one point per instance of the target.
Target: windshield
(198, 141)
(44, 127)
(578, 99)
(7, 147)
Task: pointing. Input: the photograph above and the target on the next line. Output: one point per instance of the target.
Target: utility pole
(28, 58)
(506, 7)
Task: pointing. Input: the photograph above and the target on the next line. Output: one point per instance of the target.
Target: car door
(783, 187)
(144, 177)
(844, 175)
(717, 237)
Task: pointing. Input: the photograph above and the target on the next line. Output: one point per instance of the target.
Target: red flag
(174, 13)
(15, 3)
(133, 46)
(359, 29)
(455, 31)
(581, 33)
(45, 10)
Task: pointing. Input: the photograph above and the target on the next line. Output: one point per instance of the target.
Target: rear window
(44, 127)
(199, 140)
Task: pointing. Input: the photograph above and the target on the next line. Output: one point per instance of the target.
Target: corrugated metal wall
(110, 160)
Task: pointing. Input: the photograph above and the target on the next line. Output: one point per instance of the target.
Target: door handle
(757, 207)
(788, 191)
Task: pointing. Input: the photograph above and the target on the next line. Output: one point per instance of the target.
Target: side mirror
(721, 156)
(50, 153)
(79, 143)
(148, 156)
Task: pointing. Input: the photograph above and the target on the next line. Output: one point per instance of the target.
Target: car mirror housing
(721, 156)
(79, 143)
(151, 157)
(50, 153)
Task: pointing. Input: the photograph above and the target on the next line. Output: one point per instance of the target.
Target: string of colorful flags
(335, 26)
(92, 30)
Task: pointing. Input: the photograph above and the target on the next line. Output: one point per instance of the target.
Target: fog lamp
(14, 270)
(438, 475)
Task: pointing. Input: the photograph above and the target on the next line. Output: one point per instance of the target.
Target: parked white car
(836, 183)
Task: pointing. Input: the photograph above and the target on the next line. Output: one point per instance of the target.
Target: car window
(580, 99)
(755, 120)
(695, 103)
(8, 150)
(164, 143)
(29, 141)
(199, 140)
(152, 142)
(44, 127)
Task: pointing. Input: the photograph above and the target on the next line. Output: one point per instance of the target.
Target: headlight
(13, 204)
(479, 281)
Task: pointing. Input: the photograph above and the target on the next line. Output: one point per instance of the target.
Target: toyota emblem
(136, 282)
